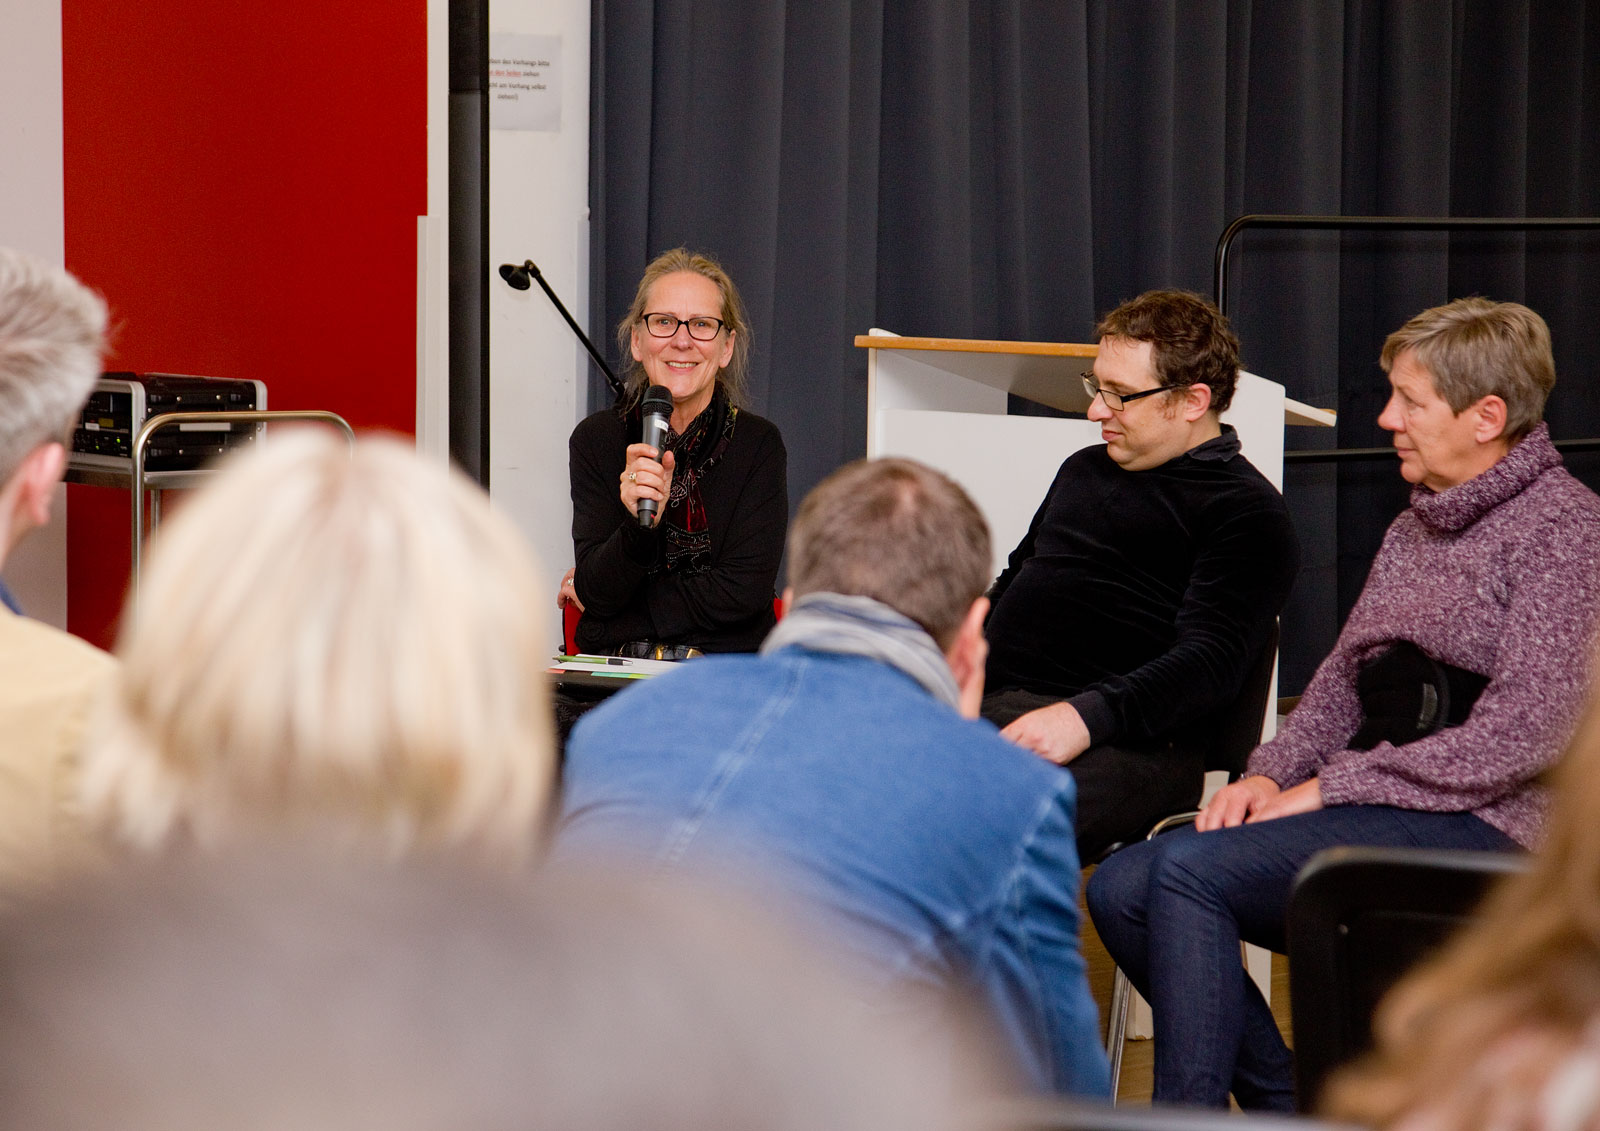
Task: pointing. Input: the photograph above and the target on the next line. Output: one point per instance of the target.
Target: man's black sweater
(1141, 597)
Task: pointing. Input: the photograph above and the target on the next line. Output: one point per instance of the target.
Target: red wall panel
(242, 184)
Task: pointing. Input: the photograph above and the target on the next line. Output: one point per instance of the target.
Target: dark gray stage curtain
(1012, 170)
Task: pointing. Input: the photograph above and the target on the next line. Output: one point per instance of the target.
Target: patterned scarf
(685, 527)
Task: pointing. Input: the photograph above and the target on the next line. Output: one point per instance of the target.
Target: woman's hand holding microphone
(646, 477)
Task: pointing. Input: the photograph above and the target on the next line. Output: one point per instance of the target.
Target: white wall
(32, 219)
(433, 248)
(538, 209)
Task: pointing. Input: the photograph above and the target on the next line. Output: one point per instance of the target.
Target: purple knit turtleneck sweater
(1499, 575)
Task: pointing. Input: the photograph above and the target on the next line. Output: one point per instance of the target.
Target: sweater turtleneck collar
(1460, 506)
(1218, 449)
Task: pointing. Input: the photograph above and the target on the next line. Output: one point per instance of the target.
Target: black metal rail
(1348, 455)
(1380, 223)
(1219, 284)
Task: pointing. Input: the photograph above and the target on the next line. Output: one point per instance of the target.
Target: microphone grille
(657, 401)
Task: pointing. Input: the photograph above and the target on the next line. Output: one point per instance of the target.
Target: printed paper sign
(525, 82)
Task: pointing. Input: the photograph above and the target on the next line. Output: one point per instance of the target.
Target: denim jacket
(940, 853)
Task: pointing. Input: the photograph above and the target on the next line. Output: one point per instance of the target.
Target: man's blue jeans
(1172, 912)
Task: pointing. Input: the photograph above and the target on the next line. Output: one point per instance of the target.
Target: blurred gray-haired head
(52, 333)
(254, 991)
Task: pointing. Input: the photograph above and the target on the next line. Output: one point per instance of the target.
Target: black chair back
(1359, 918)
(1240, 729)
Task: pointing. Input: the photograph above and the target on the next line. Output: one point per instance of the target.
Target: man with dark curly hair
(1149, 580)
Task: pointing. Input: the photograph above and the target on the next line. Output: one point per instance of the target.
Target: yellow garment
(49, 683)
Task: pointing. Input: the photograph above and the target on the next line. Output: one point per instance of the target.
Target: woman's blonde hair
(732, 377)
(345, 638)
(1526, 975)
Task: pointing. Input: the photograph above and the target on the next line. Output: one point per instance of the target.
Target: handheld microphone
(656, 411)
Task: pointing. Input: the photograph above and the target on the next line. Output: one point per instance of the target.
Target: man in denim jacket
(846, 764)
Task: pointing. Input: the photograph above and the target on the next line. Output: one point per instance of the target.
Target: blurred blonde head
(336, 638)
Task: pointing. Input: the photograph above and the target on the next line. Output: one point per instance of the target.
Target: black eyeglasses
(1116, 402)
(702, 327)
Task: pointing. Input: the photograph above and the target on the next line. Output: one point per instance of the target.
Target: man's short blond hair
(52, 333)
(899, 532)
(1476, 348)
(349, 639)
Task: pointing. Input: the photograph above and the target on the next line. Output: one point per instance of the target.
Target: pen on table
(616, 661)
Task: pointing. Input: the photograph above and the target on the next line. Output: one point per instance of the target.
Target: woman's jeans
(1172, 912)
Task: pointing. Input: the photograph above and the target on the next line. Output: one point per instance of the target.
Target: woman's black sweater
(727, 606)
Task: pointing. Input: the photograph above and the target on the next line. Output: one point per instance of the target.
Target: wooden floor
(1138, 1057)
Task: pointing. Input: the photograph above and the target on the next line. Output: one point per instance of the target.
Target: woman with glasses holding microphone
(697, 575)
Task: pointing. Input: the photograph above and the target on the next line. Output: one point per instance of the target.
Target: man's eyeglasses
(702, 327)
(1116, 402)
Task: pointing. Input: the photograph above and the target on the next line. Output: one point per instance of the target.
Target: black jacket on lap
(626, 591)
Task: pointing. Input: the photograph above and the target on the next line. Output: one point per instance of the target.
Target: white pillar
(538, 210)
(32, 211)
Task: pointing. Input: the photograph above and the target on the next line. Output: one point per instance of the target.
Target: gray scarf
(860, 626)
